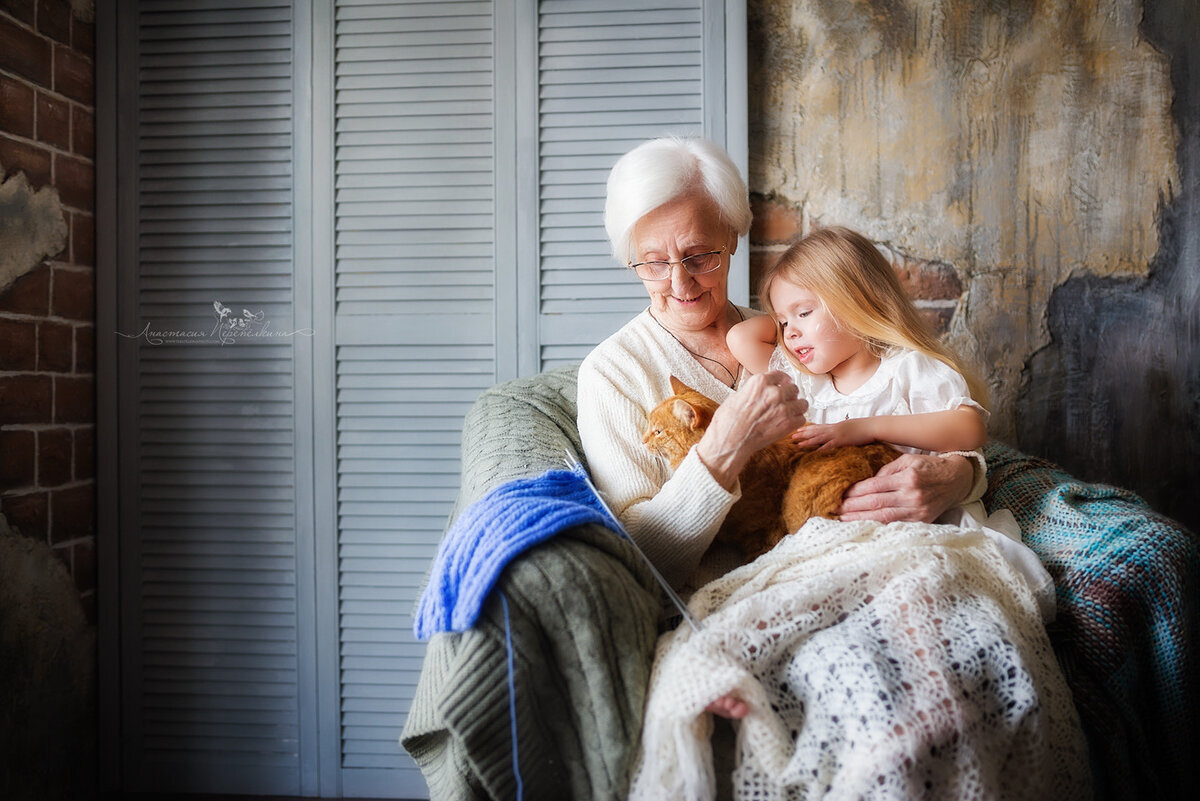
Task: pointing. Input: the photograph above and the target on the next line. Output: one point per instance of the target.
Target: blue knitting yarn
(512, 698)
(491, 532)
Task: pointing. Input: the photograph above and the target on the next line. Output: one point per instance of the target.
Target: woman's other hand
(765, 408)
(915, 487)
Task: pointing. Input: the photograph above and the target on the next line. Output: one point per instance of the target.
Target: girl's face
(815, 337)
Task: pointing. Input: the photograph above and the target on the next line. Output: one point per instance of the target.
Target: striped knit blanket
(1128, 626)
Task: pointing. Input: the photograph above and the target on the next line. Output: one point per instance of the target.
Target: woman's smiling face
(684, 227)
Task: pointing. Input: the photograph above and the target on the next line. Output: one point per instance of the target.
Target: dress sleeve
(932, 386)
(673, 518)
(779, 361)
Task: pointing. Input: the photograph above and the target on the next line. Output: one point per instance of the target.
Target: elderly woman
(675, 211)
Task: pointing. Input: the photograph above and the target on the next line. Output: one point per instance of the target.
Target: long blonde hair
(862, 293)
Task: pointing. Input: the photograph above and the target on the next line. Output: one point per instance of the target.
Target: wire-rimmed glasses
(696, 264)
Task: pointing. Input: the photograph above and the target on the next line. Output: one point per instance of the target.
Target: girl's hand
(835, 435)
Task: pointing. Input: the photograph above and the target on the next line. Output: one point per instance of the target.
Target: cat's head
(678, 423)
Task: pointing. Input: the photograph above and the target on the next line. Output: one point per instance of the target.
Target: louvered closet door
(207, 436)
(415, 276)
(610, 75)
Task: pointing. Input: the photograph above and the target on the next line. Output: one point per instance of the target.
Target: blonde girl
(840, 324)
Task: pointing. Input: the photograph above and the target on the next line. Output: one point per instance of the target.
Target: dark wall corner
(1115, 397)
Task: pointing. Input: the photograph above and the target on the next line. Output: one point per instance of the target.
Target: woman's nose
(680, 277)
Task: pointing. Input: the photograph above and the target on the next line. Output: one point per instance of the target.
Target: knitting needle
(692, 620)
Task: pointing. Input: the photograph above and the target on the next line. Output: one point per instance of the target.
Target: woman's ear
(733, 241)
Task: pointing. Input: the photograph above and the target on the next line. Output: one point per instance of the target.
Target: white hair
(660, 170)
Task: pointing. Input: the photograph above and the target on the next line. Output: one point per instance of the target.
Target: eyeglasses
(697, 264)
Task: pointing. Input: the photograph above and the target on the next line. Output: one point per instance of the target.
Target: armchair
(584, 614)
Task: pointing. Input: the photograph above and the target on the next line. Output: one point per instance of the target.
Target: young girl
(840, 324)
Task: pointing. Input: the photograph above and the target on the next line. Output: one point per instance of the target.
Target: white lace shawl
(879, 661)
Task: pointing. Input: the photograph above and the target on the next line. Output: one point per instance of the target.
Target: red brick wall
(935, 288)
(47, 318)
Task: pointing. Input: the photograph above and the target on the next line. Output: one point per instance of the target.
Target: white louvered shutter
(610, 76)
(281, 499)
(415, 336)
(209, 549)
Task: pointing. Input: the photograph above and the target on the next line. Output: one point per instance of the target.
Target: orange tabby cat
(783, 485)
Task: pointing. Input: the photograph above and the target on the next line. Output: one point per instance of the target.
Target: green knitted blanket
(583, 613)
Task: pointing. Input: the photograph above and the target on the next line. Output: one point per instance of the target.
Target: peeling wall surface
(1034, 147)
(32, 227)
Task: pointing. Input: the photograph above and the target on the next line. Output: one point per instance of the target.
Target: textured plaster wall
(1116, 394)
(1028, 145)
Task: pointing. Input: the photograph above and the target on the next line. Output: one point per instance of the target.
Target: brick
(85, 453)
(17, 459)
(924, 280)
(26, 398)
(56, 448)
(83, 239)
(938, 318)
(19, 156)
(85, 349)
(29, 294)
(761, 260)
(74, 76)
(16, 107)
(54, 121)
(28, 512)
(18, 345)
(83, 132)
(75, 180)
(54, 19)
(83, 36)
(83, 565)
(774, 222)
(74, 295)
(24, 52)
(74, 399)
(73, 512)
(21, 9)
(56, 347)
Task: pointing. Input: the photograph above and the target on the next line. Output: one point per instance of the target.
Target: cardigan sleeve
(672, 517)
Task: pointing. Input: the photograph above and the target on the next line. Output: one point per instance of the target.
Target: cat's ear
(678, 387)
(685, 413)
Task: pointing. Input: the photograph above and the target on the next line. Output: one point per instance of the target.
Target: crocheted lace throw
(879, 661)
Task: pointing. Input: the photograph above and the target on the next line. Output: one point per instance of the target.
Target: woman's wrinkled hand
(915, 487)
(765, 408)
